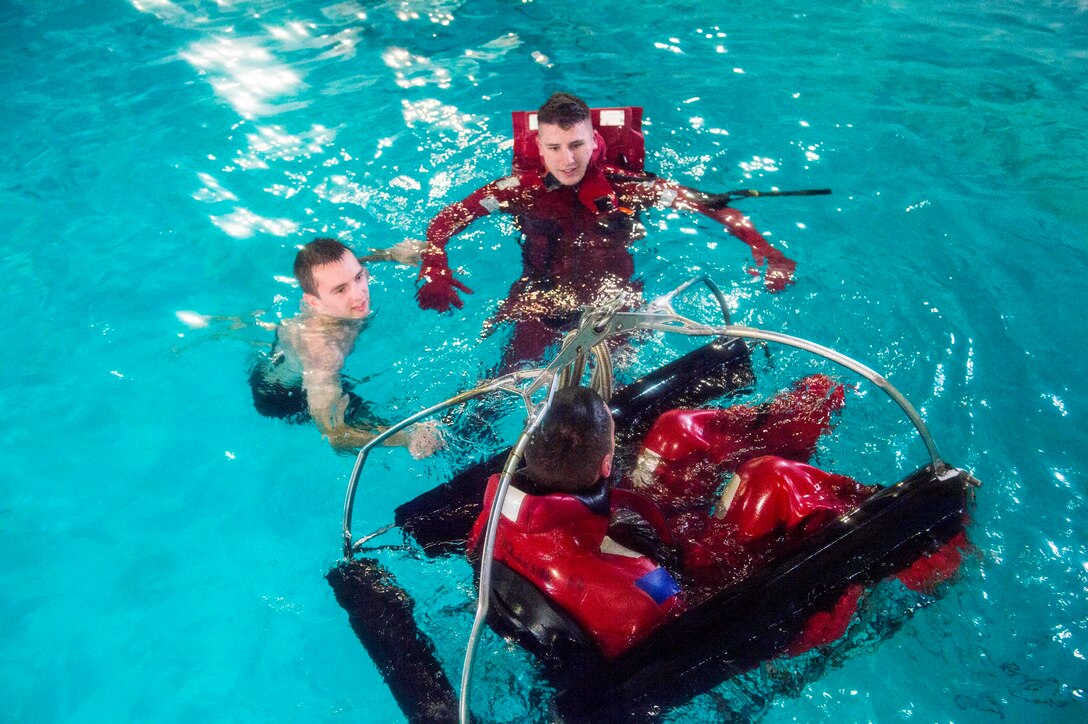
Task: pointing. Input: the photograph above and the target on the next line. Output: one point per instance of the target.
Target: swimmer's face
(343, 289)
(566, 151)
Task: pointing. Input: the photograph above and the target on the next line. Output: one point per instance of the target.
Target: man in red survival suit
(578, 215)
(607, 556)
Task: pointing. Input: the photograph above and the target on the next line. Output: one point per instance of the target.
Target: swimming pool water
(164, 546)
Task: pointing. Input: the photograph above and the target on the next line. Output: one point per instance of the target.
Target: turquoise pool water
(164, 546)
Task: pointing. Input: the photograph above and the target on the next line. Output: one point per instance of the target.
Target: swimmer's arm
(421, 440)
(779, 272)
(322, 359)
(406, 252)
(437, 287)
(505, 195)
(326, 398)
(322, 362)
(328, 407)
(232, 322)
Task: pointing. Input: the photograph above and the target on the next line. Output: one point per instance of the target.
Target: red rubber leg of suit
(687, 452)
(528, 342)
(774, 493)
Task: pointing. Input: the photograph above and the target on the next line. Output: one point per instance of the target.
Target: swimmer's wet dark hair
(563, 110)
(567, 447)
(317, 253)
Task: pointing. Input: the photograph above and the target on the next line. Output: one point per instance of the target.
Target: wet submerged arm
(322, 359)
(406, 252)
(661, 192)
(779, 272)
(437, 287)
(420, 440)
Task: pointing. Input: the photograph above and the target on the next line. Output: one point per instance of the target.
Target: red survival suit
(575, 243)
(688, 453)
(561, 544)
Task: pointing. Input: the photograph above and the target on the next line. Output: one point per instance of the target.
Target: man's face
(566, 152)
(343, 289)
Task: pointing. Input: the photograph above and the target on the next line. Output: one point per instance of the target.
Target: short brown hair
(563, 110)
(566, 449)
(317, 253)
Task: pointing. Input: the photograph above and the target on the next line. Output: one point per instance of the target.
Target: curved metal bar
(621, 323)
(596, 324)
(661, 316)
(851, 364)
(664, 302)
(505, 383)
(603, 377)
(371, 536)
(487, 556)
(605, 321)
(680, 325)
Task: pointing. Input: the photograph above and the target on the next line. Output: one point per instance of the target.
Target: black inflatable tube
(380, 613)
(440, 519)
(757, 618)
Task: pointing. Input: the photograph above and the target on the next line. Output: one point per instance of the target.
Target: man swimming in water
(577, 218)
(301, 379)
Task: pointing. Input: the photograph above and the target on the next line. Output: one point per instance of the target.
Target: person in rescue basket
(570, 532)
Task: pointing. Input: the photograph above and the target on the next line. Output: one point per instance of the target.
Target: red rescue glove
(780, 268)
(779, 273)
(437, 289)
